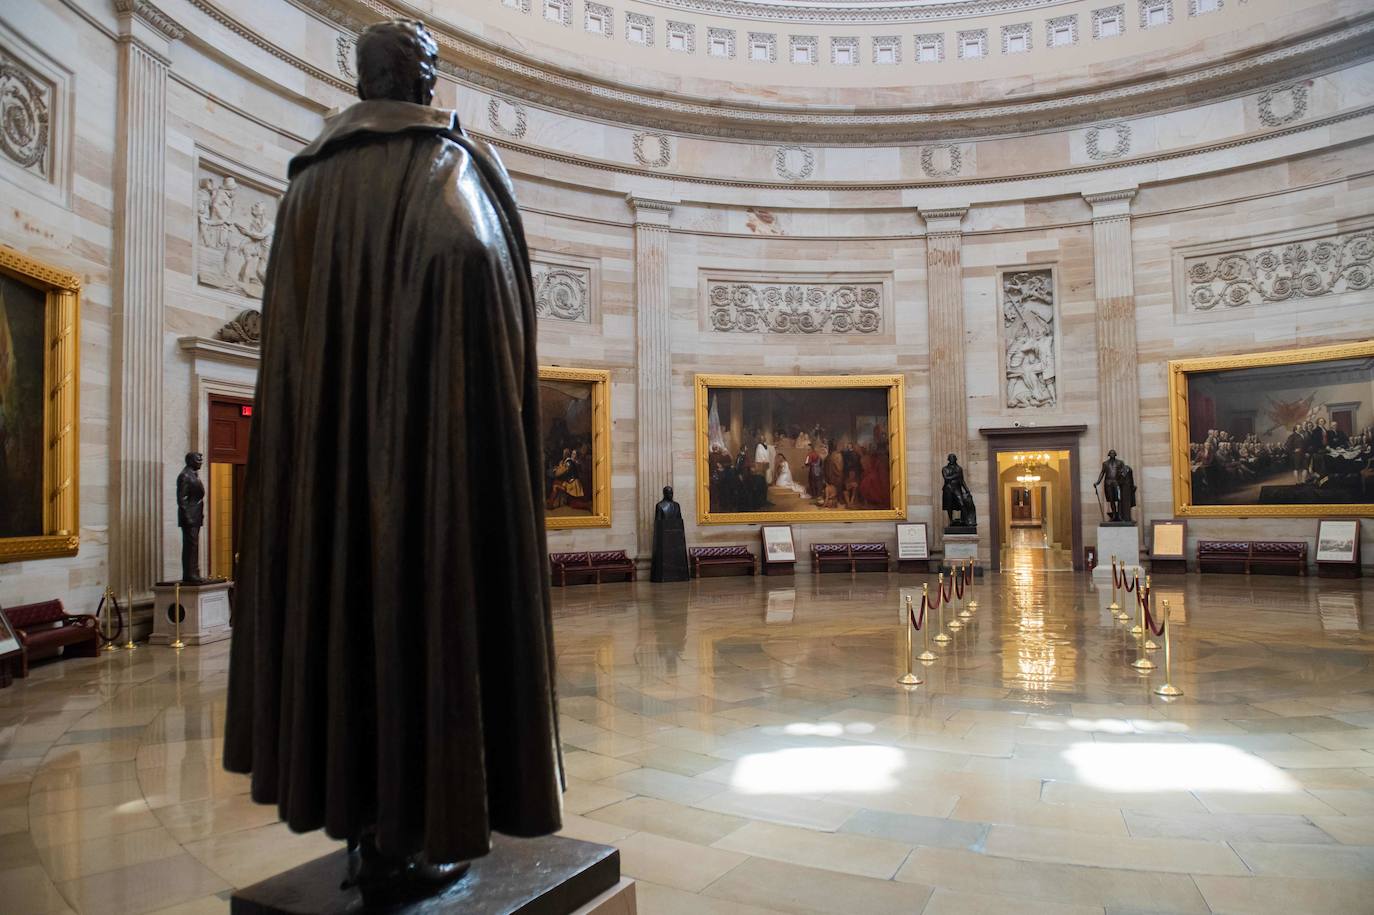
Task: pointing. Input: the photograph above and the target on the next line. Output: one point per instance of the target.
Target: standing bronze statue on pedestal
(392, 672)
(190, 517)
(669, 561)
(955, 496)
(1119, 488)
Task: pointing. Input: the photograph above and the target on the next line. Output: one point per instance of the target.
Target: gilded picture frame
(893, 388)
(58, 533)
(583, 509)
(1182, 438)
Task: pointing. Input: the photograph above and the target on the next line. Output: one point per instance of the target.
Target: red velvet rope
(946, 591)
(959, 584)
(1118, 582)
(1149, 618)
(1133, 585)
(916, 621)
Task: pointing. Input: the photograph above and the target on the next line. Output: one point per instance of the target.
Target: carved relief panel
(34, 122)
(1030, 338)
(1285, 270)
(828, 304)
(567, 288)
(235, 216)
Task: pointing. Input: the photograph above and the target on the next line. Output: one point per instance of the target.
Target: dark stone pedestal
(546, 876)
(961, 529)
(1116, 524)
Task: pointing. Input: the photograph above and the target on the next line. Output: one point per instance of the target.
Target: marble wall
(239, 90)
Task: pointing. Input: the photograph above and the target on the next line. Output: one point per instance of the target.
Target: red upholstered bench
(853, 557)
(1284, 554)
(590, 565)
(722, 557)
(46, 630)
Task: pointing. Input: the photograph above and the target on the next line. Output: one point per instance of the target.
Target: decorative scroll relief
(562, 291)
(345, 52)
(25, 102)
(234, 223)
(837, 308)
(1279, 273)
(1028, 333)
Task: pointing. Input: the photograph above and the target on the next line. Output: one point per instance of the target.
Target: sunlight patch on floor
(819, 770)
(1139, 767)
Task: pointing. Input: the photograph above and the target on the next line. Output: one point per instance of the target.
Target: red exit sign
(246, 409)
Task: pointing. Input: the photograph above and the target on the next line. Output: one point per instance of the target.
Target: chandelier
(1031, 465)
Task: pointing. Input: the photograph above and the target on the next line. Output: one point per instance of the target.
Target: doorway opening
(230, 421)
(1036, 509)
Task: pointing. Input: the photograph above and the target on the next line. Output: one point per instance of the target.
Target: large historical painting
(1284, 433)
(799, 448)
(38, 408)
(575, 423)
(22, 315)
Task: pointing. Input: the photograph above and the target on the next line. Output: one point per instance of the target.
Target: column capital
(650, 210)
(1111, 204)
(145, 24)
(944, 220)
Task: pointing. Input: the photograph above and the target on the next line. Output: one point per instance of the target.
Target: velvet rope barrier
(1118, 583)
(909, 679)
(110, 608)
(1149, 617)
(959, 583)
(1132, 585)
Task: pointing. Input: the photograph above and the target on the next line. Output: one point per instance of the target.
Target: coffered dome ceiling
(866, 72)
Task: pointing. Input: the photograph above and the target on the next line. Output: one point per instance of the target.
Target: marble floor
(744, 744)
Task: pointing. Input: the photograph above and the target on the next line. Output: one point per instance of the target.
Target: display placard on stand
(1338, 548)
(1169, 545)
(779, 556)
(913, 547)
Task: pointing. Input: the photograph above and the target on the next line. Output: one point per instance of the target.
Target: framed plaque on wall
(913, 547)
(1169, 546)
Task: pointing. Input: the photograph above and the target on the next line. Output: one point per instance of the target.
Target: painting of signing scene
(575, 423)
(1283, 433)
(799, 448)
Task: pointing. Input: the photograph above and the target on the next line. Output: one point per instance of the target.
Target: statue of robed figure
(670, 541)
(1118, 487)
(955, 496)
(392, 670)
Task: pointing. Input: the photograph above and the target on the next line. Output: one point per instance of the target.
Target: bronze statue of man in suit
(190, 516)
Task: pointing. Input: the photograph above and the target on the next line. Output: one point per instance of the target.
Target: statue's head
(668, 493)
(194, 460)
(396, 61)
(952, 459)
(1111, 454)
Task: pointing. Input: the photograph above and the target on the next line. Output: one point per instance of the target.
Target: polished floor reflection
(743, 742)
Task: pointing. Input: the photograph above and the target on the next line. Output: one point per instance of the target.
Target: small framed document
(778, 546)
(1168, 539)
(1338, 541)
(912, 542)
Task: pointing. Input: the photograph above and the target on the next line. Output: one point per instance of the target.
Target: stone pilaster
(145, 36)
(653, 361)
(1117, 372)
(945, 330)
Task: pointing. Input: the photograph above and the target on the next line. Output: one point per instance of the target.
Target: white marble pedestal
(1121, 541)
(961, 548)
(205, 608)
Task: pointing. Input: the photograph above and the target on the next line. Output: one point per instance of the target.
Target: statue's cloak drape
(392, 661)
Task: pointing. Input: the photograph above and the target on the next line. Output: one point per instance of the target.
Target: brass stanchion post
(942, 637)
(129, 635)
(1149, 642)
(1142, 598)
(926, 654)
(966, 612)
(1114, 606)
(956, 586)
(909, 678)
(1139, 627)
(972, 604)
(176, 616)
(1167, 688)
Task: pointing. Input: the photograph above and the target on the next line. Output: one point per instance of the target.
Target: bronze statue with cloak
(392, 670)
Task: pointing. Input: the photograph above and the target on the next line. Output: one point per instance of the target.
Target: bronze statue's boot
(386, 880)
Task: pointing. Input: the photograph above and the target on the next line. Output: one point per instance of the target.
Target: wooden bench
(1247, 554)
(46, 630)
(590, 565)
(727, 558)
(853, 557)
